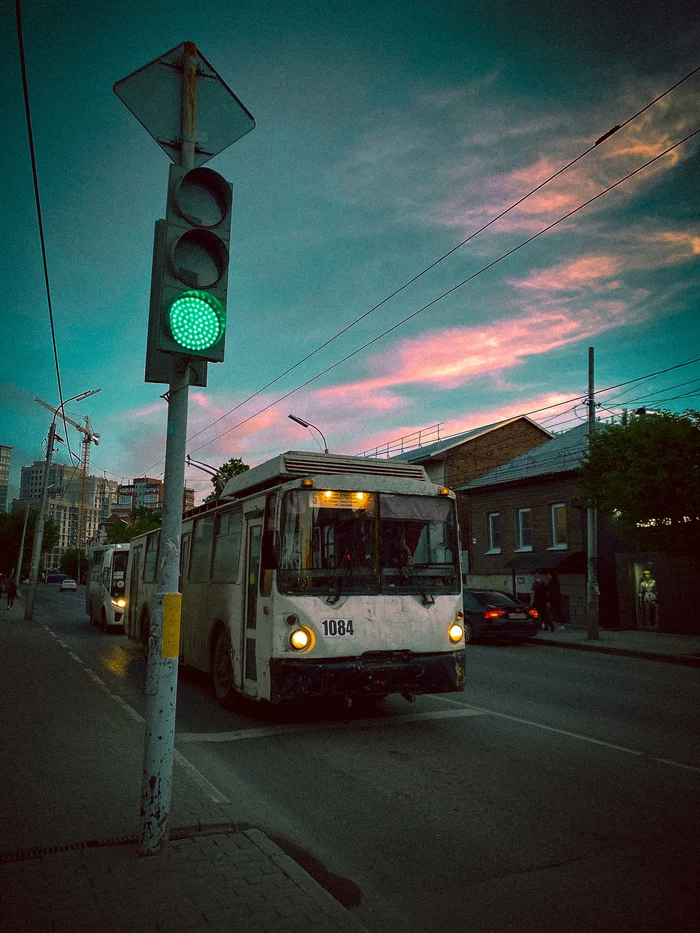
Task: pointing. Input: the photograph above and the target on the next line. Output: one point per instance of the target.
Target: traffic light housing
(190, 271)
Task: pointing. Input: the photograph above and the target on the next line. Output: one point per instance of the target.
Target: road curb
(684, 659)
(326, 902)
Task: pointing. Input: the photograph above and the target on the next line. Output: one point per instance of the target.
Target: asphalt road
(560, 792)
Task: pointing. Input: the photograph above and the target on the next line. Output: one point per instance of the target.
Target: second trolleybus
(105, 593)
(316, 575)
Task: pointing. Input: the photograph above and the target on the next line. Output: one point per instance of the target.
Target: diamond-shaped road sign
(154, 95)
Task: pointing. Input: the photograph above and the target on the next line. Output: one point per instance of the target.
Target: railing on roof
(400, 445)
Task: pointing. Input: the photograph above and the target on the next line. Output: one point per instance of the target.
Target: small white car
(67, 585)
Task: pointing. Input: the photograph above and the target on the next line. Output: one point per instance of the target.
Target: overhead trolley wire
(453, 289)
(37, 200)
(476, 233)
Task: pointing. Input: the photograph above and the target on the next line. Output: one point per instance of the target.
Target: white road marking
(212, 792)
(574, 735)
(265, 731)
(93, 676)
(75, 656)
(675, 764)
(125, 706)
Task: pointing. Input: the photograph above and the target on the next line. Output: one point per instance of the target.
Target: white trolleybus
(316, 575)
(105, 593)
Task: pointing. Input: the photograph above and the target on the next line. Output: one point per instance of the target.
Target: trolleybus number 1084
(337, 627)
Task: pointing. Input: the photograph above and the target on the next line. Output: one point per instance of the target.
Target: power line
(453, 289)
(37, 200)
(476, 233)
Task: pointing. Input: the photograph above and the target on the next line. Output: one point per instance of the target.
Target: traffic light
(190, 270)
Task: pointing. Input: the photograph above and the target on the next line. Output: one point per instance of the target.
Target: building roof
(560, 455)
(439, 447)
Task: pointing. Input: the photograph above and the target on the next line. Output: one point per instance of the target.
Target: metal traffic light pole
(164, 633)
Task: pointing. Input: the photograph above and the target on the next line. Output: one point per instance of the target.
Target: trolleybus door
(250, 613)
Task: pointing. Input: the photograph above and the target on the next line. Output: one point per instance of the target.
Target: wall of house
(482, 454)
(539, 495)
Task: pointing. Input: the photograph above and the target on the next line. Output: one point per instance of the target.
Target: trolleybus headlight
(455, 633)
(119, 603)
(300, 639)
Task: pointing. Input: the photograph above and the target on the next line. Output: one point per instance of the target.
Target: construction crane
(89, 437)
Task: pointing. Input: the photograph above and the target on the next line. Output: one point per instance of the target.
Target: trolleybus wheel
(222, 670)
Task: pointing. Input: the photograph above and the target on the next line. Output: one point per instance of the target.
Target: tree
(144, 520)
(233, 467)
(646, 471)
(11, 524)
(74, 563)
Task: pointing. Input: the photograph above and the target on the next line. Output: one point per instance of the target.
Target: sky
(386, 134)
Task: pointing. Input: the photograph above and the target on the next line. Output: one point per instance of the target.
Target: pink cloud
(490, 190)
(586, 272)
(450, 357)
(554, 403)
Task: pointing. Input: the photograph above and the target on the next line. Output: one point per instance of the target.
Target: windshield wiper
(410, 573)
(349, 563)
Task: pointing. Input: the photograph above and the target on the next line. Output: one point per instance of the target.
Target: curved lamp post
(307, 424)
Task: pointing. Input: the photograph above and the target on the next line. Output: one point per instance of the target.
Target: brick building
(527, 515)
(455, 461)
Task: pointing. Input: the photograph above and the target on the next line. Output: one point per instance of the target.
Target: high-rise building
(64, 499)
(5, 454)
(144, 492)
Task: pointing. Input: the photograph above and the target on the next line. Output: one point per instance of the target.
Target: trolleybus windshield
(119, 562)
(339, 542)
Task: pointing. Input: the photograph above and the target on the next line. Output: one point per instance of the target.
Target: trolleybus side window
(149, 564)
(184, 557)
(200, 558)
(227, 546)
(268, 556)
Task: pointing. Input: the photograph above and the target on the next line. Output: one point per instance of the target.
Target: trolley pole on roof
(186, 330)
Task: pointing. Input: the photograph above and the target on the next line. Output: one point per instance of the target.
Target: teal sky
(387, 132)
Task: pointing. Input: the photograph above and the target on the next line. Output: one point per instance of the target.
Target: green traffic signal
(197, 320)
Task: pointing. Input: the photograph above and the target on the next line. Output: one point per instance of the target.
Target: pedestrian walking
(11, 590)
(555, 603)
(538, 599)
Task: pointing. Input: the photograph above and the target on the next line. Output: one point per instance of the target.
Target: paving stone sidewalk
(69, 804)
(218, 881)
(655, 646)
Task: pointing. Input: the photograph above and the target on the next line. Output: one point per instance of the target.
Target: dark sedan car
(491, 614)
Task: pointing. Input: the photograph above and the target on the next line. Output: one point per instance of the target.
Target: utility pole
(592, 591)
(39, 527)
(18, 570)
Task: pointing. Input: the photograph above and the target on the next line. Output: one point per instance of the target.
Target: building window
(494, 533)
(523, 530)
(557, 514)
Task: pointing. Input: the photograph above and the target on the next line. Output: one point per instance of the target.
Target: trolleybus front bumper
(377, 672)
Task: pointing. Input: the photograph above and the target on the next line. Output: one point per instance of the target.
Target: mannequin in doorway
(647, 597)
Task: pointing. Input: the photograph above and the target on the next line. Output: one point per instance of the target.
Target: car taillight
(534, 613)
(494, 613)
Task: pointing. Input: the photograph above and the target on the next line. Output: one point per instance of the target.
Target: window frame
(490, 537)
(520, 547)
(556, 545)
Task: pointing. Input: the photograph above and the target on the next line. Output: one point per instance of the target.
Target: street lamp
(39, 528)
(307, 424)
